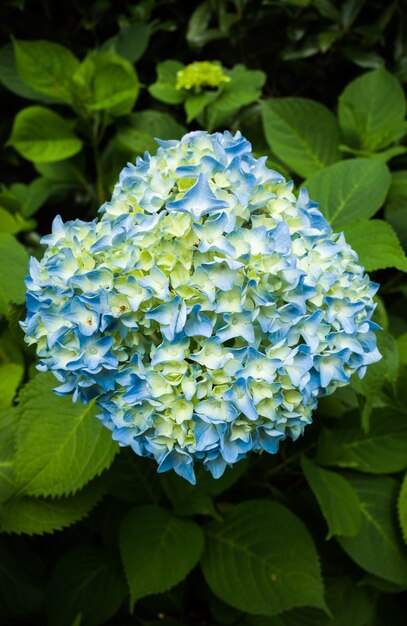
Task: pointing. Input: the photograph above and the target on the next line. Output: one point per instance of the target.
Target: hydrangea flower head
(208, 309)
(201, 74)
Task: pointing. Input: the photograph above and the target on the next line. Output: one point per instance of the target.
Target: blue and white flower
(208, 309)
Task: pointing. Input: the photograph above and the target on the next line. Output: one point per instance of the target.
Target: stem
(97, 133)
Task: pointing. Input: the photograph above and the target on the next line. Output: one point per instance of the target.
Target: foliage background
(314, 535)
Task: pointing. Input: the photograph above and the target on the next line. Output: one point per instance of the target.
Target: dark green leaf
(131, 42)
(382, 450)
(158, 550)
(86, 581)
(377, 547)
(396, 205)
(21, 585)
(338, 500)
(402, 507)
(248, 566)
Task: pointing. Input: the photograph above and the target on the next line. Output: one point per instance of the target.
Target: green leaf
(144, 127)
(46, 67)
(106, 82)
(86, 581)
(350, 605)
(248, 566)
(158, 550)
(34, 195)
(13, 224)
(43, 136)
(164, 87)
(13, 270)
(302, 133)
(377, 245)
(12, 81)
(349, 190)
(195, 104)
(382, 450)
(10, 378)
(197, 499)
(402, 507)
(377, 547)
(37, 516)
(396, 205)
(8, 420)
(21, 581)
(337, 499)
(372, 110)
(60, 445)
(244, 88)
(131, 42)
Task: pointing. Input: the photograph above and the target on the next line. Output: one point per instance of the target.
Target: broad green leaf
(158, 550)
(46, 67)
(33, 196)
(377, 245)
(396, 205)
(350, 190)
(13, 270)
(21, 580)
(8, 420)
(244, 88)
(11, 375)
(337, 499)
(12, 81)
(106, 82)
(382, 450)
(302, 133)
(164, 87)
(371, 111)
(13, 224)
(144, 126)
(60, 445)
(349, 603)
(86, 581)
(41, 135)
(248, 565)
(402, 507)
(131, 42)
(377, 547)
(37, 516)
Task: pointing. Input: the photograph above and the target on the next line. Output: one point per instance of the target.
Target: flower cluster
(208, 309)
(201, 74)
